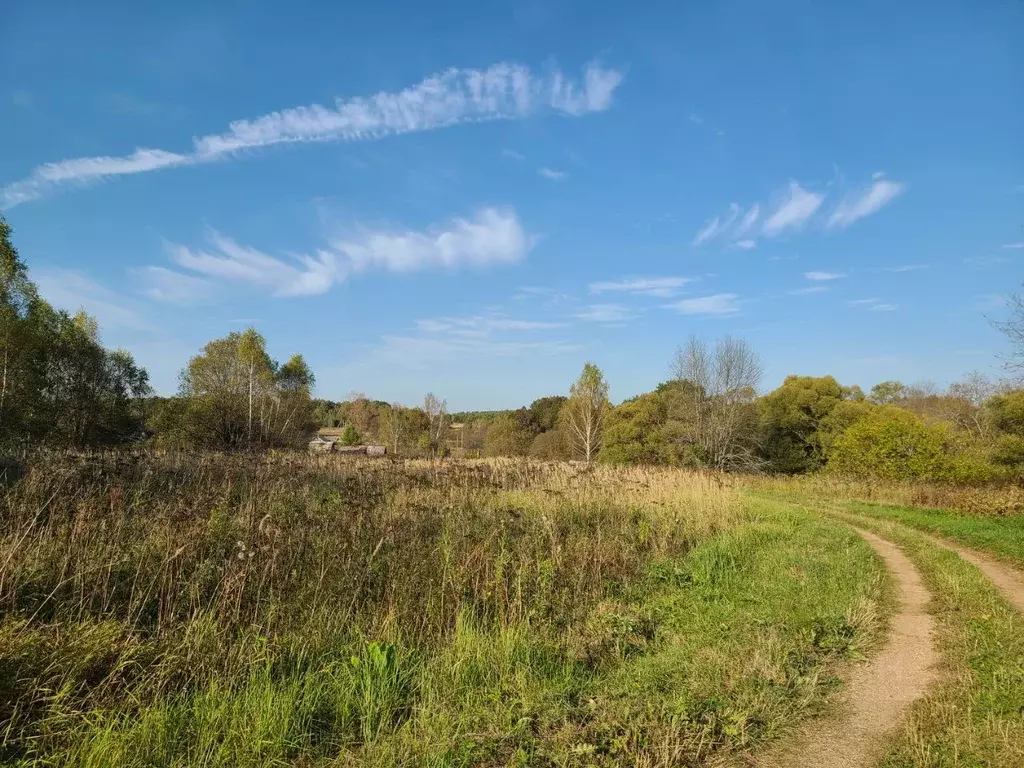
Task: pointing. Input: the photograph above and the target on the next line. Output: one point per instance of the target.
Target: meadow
(163, 609)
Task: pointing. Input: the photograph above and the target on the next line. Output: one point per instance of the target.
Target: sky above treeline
(475, 198)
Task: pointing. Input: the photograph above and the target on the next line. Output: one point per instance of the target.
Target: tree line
(60, 386)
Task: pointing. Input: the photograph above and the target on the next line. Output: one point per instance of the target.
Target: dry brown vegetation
(1004, 499)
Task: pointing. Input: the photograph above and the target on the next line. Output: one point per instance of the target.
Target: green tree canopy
(791, 419)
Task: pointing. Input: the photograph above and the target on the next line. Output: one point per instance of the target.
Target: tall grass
(993, 500)
(165, 609)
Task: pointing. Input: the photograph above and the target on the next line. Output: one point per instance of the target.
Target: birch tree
(437, 412)
(585, 410)
(719, 403)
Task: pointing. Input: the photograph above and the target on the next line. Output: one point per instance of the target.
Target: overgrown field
(171, 610)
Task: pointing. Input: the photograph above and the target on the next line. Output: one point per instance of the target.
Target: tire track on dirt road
(879, 692)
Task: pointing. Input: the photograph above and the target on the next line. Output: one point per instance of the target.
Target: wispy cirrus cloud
(824, 275)
(1014, 246)
(795, 207)
(866, 202)
(605, 313)
(479, 326)
(167, 285)
(907, 268)
(477, 336)
(552, 174)
(491, 236)
(717, 226)
(872, 305)
(453, 97)
(808, 290)
(647, 286)
(717, 304)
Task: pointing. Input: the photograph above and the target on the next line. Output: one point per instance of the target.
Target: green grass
(975, 716)
(1001, 536)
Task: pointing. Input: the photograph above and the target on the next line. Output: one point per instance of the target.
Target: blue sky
(475, 198)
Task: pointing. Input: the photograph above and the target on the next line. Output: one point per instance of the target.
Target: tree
(791, 420)
(894, 444)
(394, 427)
(238, 396)
(292, 416)
(1013, 328)
(718, 403)
(349, 436)
(635, 432)
(437, 413)
(25, 322)
(584, 412)
(544, 412)
(506, 436)
(551, 445)
(93, 396)
(888, 393)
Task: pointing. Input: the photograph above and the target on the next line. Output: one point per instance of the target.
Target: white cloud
(823, 275)
(861, 302)
(503, 91)
(511, 154)
(425, 352)
(808, 290)
(907, 268)
(883, 307)
(708, 232)
(717, 226)
(796, 207)
(300, 276)
(482, 325)
(550, 173)
(746, 245)
(1015, 246)
(877, 175)
(718, 304)
(749, 219)
(174, 287)
(492, 236)
(648, 286)
(857, 206)
(605, 313)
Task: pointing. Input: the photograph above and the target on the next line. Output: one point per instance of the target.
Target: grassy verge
(309, 613)
(975, 717)
(1001, 536)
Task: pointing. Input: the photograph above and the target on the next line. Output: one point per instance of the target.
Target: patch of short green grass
(1000, 535)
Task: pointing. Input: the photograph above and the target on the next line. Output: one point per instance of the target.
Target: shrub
(894, 444)
(349, 435)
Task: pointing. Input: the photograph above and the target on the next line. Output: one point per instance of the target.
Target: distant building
(328, 440)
